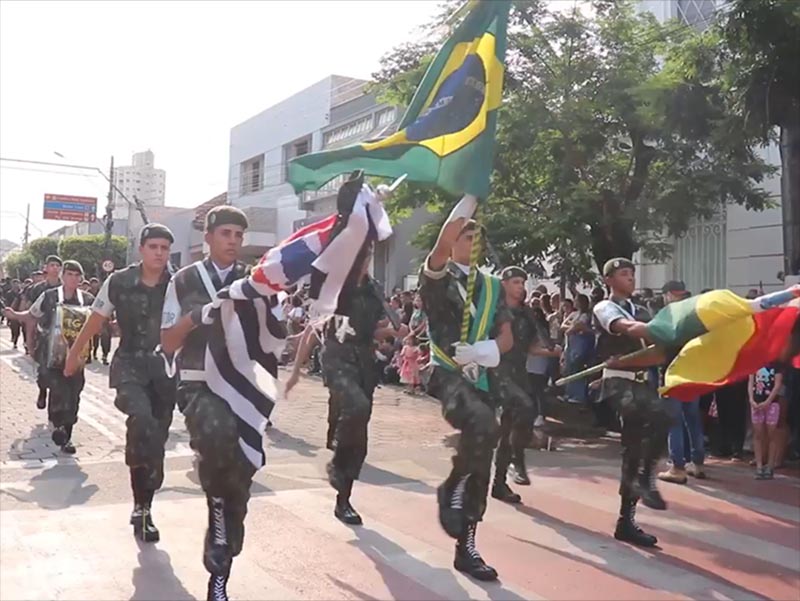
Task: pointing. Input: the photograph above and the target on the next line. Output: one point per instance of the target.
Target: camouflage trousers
(149, 409)
(516, 421)
(65, 396)
(646, 421)
(350, 377)
(224, 470)
(470, 411)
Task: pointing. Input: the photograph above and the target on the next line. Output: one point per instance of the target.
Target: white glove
(485, 353)
(465, 208)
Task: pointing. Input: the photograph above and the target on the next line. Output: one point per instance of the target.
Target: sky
(89, 80)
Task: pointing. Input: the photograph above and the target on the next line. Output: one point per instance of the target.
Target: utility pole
(109, 218)
(27, 223)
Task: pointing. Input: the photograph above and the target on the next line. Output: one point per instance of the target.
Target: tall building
(736, 248)
(331, 113)
(140, 179)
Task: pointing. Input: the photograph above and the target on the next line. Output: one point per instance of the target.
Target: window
(292, 150)
(251, 175)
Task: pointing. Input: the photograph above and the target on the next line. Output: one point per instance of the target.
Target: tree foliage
(89, 251)
(41, 248)
(614, 133)
(21, 264)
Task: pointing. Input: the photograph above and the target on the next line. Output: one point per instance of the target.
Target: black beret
(155, 230)
(513, 272)
(225, 215)
(53, 259)
(619, 263)
(73, 266)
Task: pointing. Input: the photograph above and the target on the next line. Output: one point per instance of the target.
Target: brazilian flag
(446, 136)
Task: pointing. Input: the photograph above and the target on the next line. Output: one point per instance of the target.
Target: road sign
(108, 266)
(62, 207)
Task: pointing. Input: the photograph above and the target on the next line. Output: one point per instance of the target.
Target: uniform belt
(192, 375)
(634, 376)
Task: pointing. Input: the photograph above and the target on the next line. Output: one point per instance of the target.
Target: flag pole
(473, 275)
(598, 368)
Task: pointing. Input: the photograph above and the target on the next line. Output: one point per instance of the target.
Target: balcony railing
(309, 197)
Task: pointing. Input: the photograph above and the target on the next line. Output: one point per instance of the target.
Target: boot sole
(625, 539)
(509, 500)
(348, 521)
(482, 576)
(147, 538)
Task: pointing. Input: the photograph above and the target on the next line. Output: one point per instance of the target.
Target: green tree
(21, 264)
(759, 61)
(41, 248)
(88, 251)
(610, 139)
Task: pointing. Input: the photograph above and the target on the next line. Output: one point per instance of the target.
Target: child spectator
(409, 365)
(765, 387)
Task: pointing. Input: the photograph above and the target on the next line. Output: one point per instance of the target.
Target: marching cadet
(51, 278)
(459, 378)
(509, 384)
(225, 472)
(65, 391)
(645, 420)
(145, 393)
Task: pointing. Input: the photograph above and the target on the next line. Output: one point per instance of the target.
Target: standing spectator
(409, 364)
(541, 353)
(731, 403)
(419, 322)
(296, 317)
(397, 306)
(408, 306)
(598, 294)
(686, 417)
(764, 389)
(12, 299)
(580, 346)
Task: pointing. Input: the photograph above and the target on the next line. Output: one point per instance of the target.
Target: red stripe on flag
(765, 346)
(323, 228)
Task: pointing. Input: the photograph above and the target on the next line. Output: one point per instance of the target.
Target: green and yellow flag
(446, 136)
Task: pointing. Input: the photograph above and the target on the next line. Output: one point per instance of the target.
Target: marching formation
(169, 354)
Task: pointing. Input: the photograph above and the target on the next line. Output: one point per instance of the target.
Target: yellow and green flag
(446, 136)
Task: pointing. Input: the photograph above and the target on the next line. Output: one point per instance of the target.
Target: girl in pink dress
(409, 365)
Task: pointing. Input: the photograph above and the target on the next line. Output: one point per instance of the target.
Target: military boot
(519, 473)
(645, 488)
(41, 400)
(501, 490)
(217, 588)
(628, 530)
(217, 552)
(344, 511)
(141, 517)
(450, 496)
(468, 560)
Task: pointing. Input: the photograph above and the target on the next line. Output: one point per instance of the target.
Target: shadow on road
(57, 487)
(154, 578)
(283, 440)
(620, 562)
(371, 474)
(384, 552)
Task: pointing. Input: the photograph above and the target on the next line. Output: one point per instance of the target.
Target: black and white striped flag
(241, 362)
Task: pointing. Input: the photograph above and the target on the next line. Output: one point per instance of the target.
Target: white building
(332, 113)
(140, 179)
(737, 249)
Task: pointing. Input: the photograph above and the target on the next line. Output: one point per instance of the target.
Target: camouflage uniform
(511, 388)
(144, 391)
(62, 410)
(644, 417)
(349, 371)
(464, 406)
(225, 473)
